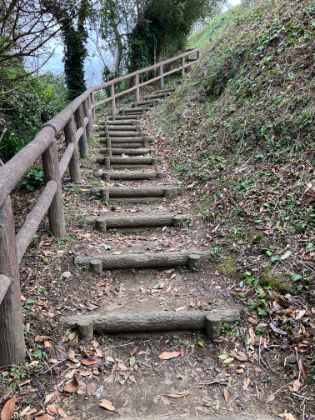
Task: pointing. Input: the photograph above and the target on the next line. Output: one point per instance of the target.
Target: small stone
(66, 275)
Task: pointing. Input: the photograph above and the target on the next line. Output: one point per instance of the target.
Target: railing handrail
(12, 172)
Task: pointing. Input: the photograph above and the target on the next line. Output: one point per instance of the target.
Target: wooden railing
(75, 122)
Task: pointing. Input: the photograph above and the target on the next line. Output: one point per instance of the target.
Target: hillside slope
(243, 128)
(240, 132)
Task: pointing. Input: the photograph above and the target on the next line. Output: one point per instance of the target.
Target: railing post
(83, 142)
(86, 108)
(162, 76)
(74, 164)
(92, 102)
(137, 82)
(198, 55)
(183, 66)
(112, 94)
(12, 346)
(52, 172)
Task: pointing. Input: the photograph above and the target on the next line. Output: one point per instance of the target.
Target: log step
(113, 134)
(133, 117)
(121, 127)
(130, 175)
(135, 194)
(133, 145)
(162, 260)
(132, 160)
(121, 122)
(132, 221)
(123, 139)
(209, 321)
(118, 151)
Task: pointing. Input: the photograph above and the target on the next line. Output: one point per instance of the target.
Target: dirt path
(175, 374)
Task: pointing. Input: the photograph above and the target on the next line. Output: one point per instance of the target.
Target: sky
(93, 64)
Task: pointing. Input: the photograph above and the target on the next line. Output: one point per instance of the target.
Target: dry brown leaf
(41, 338)
(51, 397)
(226, 394)
(44, 417)
(8, 409)
(271, 398)
(88, 362)
(52, 409)
(98, 352)
(178, 394)
(228, 361)
(107, 405)
(72, 386)
(166, 355)
(302, 369)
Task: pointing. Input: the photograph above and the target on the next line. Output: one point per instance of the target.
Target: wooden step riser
(100, 263)
(136, 192)
(209, 321)
(133, 160)
(131, 175)
(125, 151)
(128, 221)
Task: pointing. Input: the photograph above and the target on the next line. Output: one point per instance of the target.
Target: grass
(248, 145)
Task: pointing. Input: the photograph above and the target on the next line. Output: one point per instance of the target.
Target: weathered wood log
(102, 223)
(129, 160)
(133, 110)
(145, 260)
(74, 165)
(135, 194)
(113, 134)
(117, 127)
(83, 142)
(52, 173)
(123, 117)
(134, 145)
(5, 283)
(120, 119)
(115, 323)
(124, 151)
(12, 347)
(119, 122)
(131, 175)
(34, 218)
(114, 140)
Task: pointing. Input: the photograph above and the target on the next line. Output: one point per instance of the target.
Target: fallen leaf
(302, 369)
(178, 394)
(88, 362)
(228, 361)
(226, 394)
(72, 386)
(52, 409)
(276, 329)
(8, 409)
(41, 338)
(271, 398)
(107, 405)
(166, 355)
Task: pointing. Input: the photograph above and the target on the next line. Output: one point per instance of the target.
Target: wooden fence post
(162, 76)
(86, 108)
(137, 82)
(112, 94)
(52, 172)
(92, 102)
(74, 164)
(12, 346)
(183, 66)
(83, 142)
